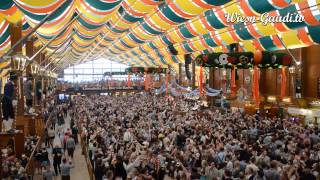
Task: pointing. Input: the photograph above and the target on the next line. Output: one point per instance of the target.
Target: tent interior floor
(80, 171)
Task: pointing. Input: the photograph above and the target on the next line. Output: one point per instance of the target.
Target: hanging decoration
(145, 70)
(244, 60)
(233, 81)
(141, 33)
(283, 82)
(146, 81)
(176, 90)
(167, 83)
(255, 86)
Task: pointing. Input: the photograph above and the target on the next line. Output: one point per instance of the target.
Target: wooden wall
(310, 71)
(270, 79)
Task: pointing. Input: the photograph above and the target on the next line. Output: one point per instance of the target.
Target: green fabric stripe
(102, 6)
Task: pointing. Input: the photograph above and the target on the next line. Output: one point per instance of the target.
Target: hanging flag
(233, 81)
(167, 84)
(283, 82)
(146, 82)
(255, 86)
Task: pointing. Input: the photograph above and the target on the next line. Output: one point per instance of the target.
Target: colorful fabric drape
(283, 82)
(138, 32)
(233, 81)
(201, 81)
(255, 86)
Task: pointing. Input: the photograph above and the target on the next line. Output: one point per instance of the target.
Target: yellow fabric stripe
(159, 22)
(291, 39)
(267, 30)
(248, 45)
(38, 3)
(189, 7)
(199, 27)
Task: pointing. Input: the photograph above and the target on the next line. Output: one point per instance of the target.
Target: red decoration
(286, 61)
(167, 84)
(134, 69)
(283, 82)
(232, 60)
(255, 86)
(233, 81)
(257, 57)
(205, 58)
(146, 82)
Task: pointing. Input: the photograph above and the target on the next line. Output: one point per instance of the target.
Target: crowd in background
(151, 137)
(13, 167)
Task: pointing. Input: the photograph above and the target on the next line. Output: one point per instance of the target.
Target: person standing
(75, 133)
(48, 174)
(70, 145)
(57, 156)
(65, 169)
(8, 96)
(45, 158)
(51, 135)
(38, 92)
(29, 93)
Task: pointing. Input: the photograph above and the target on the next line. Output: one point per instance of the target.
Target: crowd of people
(62, 142)
(152, 137)
(13, 167)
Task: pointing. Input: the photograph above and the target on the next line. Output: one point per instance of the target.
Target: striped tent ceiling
(138, 32)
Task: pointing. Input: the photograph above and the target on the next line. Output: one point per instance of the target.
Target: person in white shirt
(7, 125)
(127, 137)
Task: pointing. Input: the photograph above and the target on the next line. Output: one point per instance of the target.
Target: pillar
(180, 73)
(37, 80)
(193, 85)
(16, 35)
(211, 85)
(170, 73)
(29, 53)
(310, 74)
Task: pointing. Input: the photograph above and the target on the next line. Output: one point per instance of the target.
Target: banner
(255, 86)
(283, 82)
(167, 84)
(233, 81)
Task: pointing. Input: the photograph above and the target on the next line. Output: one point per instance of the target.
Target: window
(92, 71)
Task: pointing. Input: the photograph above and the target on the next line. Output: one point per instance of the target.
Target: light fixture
(287, 100)
(35, 68)
(42, 71)
(292, 69)
(19, 62)
(271, 99)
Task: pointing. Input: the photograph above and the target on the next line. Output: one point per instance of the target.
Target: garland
(244, 60)
(146, 70)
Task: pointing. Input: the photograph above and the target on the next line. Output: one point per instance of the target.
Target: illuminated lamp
(271, 99)
(19, 62)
